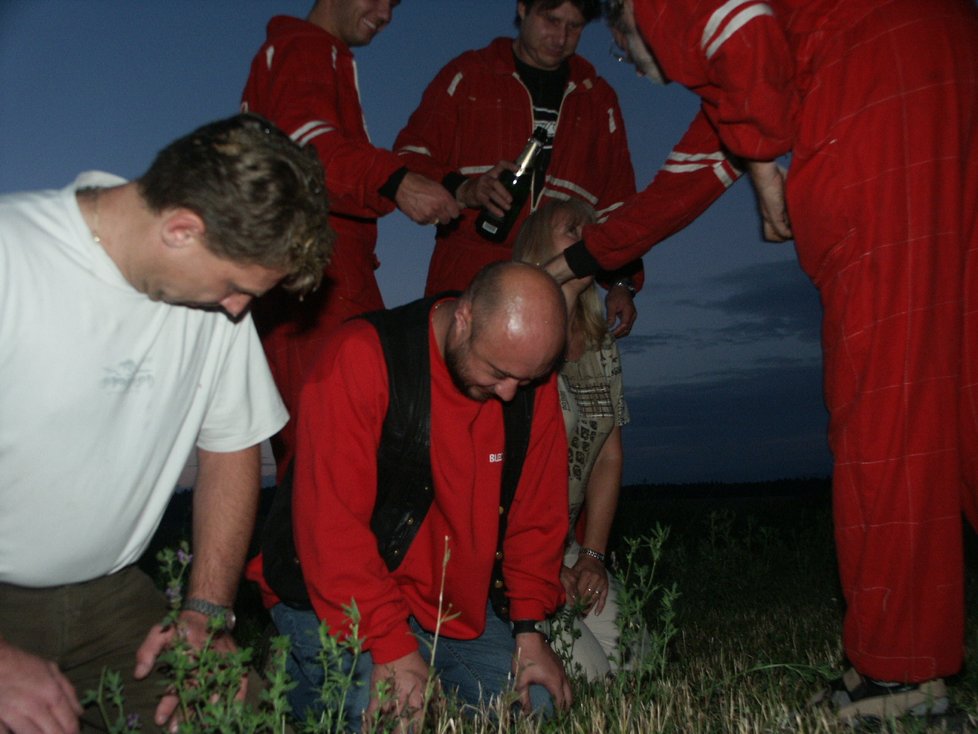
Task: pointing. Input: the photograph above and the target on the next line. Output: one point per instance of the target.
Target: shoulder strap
(405, 489)
(403, 334)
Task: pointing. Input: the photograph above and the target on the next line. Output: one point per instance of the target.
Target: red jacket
(335, 488)
(304, 80)
(735, 56)
(477, 112)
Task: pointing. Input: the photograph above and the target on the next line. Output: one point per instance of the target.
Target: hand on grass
(407, 678)
(534, 662)
(193, 626)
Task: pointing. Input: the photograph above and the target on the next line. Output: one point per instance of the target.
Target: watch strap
(211, 610)
(541, 626)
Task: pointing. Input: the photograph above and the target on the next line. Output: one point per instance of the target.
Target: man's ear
(182, 227)
(463, 317)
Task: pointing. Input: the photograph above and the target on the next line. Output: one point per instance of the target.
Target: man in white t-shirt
(125, 343)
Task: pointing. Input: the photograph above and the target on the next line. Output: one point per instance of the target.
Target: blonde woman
(594, 408)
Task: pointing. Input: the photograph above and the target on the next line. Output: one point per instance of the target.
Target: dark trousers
(87, 627)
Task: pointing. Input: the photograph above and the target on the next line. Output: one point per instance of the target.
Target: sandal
(854, 697)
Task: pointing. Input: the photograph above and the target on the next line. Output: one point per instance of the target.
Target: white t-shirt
(103, 395)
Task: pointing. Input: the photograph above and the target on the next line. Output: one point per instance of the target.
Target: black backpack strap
(518, 421)
(280, 562)
(404, 485)
(405, 489)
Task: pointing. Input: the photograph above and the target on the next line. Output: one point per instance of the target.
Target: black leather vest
(405, 489)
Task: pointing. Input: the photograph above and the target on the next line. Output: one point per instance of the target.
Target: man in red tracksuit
(304, 79)
(878, 102)
(505, 331)
(480, 110)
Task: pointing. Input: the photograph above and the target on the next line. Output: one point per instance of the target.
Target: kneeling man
(417, 499)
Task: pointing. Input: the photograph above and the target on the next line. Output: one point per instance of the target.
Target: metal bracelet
(592, 553)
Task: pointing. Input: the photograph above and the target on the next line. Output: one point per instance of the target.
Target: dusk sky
(722, 370)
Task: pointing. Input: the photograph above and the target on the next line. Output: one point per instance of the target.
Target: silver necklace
(94, 194)
(95, 227)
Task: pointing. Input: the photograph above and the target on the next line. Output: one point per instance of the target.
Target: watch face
(227, 613)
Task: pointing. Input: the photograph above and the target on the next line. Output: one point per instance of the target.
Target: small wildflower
(172, 594)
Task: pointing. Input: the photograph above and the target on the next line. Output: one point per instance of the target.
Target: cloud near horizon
(738, 396)
(764, 423)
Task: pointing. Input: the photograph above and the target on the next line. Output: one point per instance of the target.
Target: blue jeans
(474, 670)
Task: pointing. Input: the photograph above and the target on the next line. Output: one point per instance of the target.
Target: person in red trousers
(304, 79)
(877, 101)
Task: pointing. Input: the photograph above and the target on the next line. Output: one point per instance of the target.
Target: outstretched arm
(225, 501)
(694, 175)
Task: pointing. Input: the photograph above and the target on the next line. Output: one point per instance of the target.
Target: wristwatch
(627, 284)
(212, 611)
(521, 626)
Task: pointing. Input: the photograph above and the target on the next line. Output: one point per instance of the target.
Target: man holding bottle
(478, 114)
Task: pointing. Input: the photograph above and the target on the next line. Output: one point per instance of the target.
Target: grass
(751, 635)
(761, 608)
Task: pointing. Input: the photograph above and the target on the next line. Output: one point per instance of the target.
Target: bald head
(508, 330)
(518, 302)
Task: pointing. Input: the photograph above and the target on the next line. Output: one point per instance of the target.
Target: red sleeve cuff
(394, 645)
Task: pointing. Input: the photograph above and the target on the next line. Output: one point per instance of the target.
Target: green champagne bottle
(518, 183)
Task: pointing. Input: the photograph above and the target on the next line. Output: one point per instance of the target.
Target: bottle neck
(526, 158)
